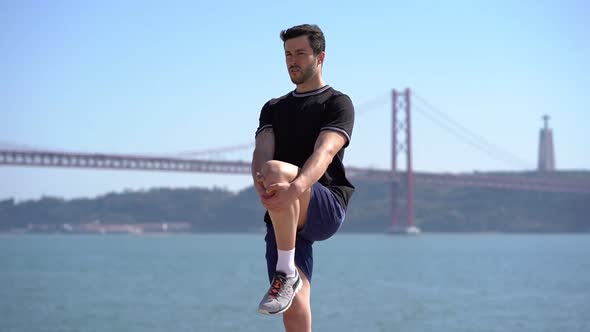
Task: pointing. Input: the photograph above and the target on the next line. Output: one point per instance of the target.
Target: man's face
(301, 62)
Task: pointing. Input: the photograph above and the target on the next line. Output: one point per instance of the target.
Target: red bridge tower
(402, 125)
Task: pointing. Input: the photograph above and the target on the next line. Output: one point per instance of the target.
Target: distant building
(546, 152)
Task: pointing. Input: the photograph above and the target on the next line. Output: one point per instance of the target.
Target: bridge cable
(465, 135)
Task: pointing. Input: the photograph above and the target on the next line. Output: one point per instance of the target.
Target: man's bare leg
(298, 317)
(286, 221)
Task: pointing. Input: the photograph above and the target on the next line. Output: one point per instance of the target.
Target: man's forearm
(263, 151)
(259, 157)
(313, 169)
(327, 146)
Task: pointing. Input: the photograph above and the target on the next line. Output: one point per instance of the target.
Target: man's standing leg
(298, 317)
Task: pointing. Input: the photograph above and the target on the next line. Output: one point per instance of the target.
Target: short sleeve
(339, 116)
(265, 119)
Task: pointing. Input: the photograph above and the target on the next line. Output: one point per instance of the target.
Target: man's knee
(275, 171)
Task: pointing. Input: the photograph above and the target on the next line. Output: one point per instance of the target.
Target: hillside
(438, 209)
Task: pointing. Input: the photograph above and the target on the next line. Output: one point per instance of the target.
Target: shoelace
(276, 286)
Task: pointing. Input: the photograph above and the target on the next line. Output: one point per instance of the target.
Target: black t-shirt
(298, 118)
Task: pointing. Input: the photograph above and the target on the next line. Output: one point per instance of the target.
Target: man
(299, 175)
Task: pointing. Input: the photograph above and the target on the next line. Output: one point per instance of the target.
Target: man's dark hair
(314, 35)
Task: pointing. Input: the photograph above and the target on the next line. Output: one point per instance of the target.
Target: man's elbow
(329, 152)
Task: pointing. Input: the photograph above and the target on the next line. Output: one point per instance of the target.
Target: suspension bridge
(401, 144)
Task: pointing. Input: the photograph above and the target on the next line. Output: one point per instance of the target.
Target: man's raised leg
(286, 220)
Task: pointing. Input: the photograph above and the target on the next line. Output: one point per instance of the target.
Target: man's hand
(259, 186)
(280, 196)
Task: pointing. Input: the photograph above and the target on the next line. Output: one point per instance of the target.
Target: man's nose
(291, 62)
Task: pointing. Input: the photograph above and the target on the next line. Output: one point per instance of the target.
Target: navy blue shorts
(324, 217)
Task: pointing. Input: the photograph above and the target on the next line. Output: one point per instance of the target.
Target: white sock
(286, 262)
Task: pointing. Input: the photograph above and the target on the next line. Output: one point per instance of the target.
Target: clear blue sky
(140, 77)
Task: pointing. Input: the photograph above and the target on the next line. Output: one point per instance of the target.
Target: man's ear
(321, 58)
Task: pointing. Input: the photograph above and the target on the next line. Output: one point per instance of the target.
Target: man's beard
(304, 74)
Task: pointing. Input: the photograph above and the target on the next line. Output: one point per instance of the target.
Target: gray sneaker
(280, 294)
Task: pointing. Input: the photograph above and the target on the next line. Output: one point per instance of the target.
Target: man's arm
(263, 151)
(327, 145)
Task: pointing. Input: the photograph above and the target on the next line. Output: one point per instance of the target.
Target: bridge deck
(146, 163)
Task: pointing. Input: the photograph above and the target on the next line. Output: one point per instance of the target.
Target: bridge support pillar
(401, 125)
